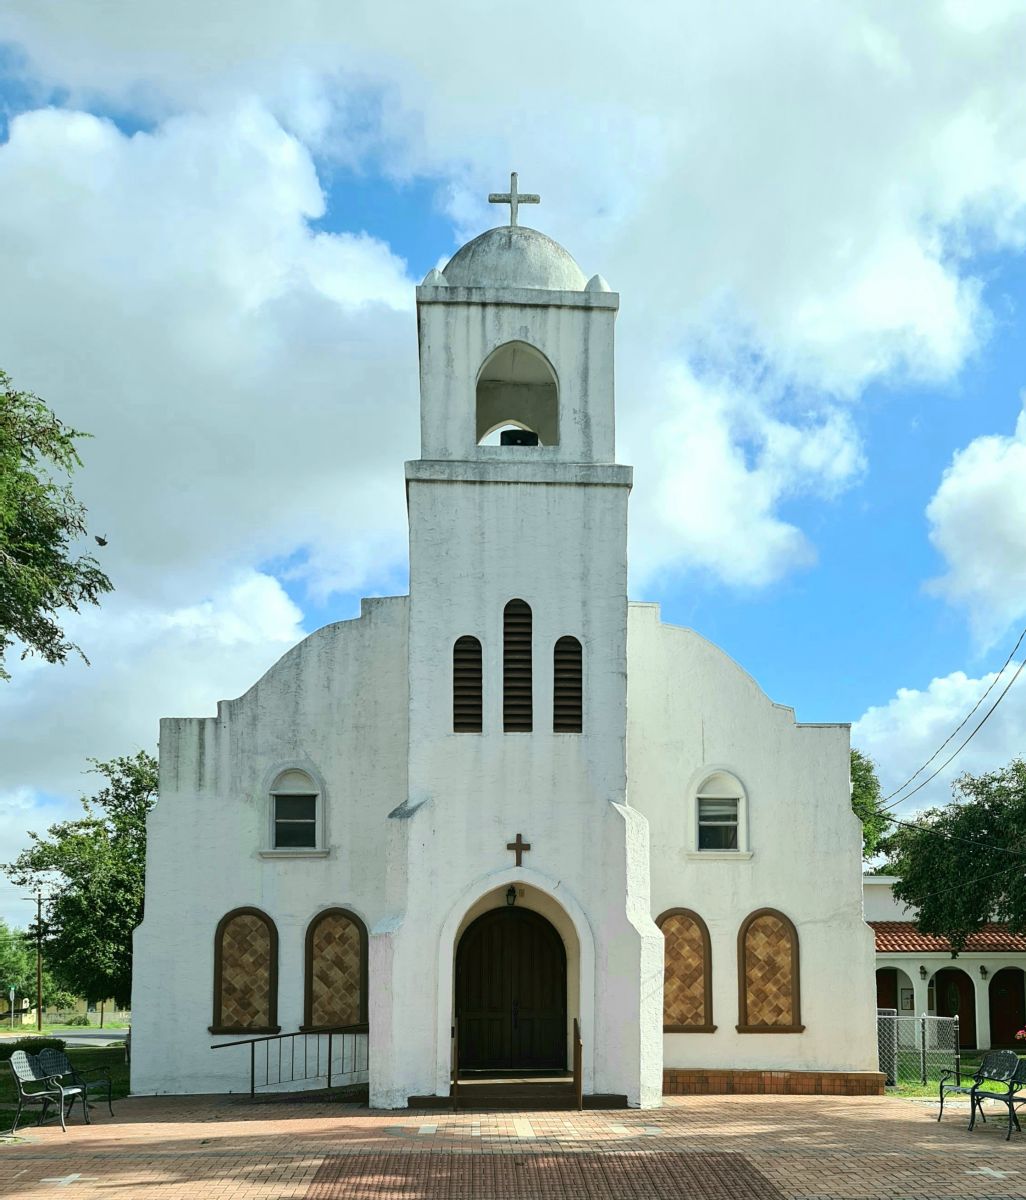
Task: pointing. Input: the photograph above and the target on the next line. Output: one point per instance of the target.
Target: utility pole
(39, 957)
(39, 960)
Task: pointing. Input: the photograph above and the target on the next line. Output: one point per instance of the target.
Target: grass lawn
(111, 1058)
(971, 1060)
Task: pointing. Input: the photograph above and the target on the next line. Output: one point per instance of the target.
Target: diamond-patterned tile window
(768, 985)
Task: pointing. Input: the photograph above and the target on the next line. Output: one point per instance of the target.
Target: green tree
(93, 869)
(867, 804)
(965, 864)
(39, 519)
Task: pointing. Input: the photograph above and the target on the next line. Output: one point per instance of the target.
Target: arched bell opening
(516, 983)
(517, 391)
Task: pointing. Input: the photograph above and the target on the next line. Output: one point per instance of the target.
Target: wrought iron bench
(998, 1066)
(58, 1066)
(36, 1087)
(1011, 1097)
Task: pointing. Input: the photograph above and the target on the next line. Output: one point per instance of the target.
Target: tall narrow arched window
(769, 991)
(245, 973)
(687, 973)
(517, 693)
(336, 970)
(567, 686)
(466, 685)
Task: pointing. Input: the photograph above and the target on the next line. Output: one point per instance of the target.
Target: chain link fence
(916, 1049)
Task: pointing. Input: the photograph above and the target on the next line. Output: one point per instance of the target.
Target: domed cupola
(516, 353)
(513, 256)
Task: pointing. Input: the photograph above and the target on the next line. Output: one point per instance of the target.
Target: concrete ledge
(513, 470)
(700, 1081)
(529, 297)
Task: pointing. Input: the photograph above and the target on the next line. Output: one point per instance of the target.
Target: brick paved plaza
(699, 1148)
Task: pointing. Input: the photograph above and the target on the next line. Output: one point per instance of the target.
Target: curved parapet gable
(644, 615)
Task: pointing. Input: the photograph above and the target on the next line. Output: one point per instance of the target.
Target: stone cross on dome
(513, 198)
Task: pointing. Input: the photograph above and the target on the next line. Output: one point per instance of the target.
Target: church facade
(512, 800)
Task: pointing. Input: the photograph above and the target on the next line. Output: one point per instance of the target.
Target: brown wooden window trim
(742, 988)
(568, 686)
(311, 929)
(467, 685)
(707, 1008)
(272, 1001)
(517, 667)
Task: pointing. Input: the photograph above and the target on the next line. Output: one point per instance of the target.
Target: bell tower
(516, 495)
(518, 657)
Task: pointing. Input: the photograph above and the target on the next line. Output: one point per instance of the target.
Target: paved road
(92, 1037)
(76, 1037)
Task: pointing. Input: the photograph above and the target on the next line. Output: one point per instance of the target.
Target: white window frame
(281, 785)
(718, 783)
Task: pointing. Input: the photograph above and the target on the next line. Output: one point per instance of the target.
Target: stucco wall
(880, 903)
(461, 327)
(693, 711)
(335, 705)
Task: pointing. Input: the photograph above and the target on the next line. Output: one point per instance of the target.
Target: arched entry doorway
(511, 993)
(956, 996)
(1007, 1006)
(887, 987)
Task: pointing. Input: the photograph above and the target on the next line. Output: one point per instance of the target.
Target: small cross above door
(519, 848)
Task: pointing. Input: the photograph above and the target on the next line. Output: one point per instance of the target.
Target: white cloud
(721, 466)
(800, 189)
(787, 200)
(244, 377)
(903, 733)
(147, 662)
(978, 523)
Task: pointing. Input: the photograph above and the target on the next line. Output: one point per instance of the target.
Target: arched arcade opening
(1007, 998)
(955, 996)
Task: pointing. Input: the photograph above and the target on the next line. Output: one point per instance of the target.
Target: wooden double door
(511, 993)
(1007, 1007)
(955, 996)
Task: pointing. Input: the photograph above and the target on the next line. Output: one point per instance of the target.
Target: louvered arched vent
(567, 686)
(466, 685)
(517, 708)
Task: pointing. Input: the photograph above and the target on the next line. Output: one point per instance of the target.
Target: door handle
(516, 1012)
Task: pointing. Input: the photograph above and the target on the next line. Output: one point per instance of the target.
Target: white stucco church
(512, 799)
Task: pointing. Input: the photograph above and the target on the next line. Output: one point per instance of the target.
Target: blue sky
(211, 228)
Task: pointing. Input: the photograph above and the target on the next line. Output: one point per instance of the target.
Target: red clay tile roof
(902, 937)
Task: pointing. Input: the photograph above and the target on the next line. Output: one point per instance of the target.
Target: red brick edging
(700, 1081)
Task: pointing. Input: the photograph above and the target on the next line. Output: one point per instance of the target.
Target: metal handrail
(578, 1067)
(454, 1091)
(276, 1037)
(330, 1033)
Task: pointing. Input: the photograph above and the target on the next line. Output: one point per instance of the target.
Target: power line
(954, 837)
(964, 720)
(944, 891)
(952, 757)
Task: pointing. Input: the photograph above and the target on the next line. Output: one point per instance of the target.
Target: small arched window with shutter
(466, 685)
(517, 684)
(567, 686)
